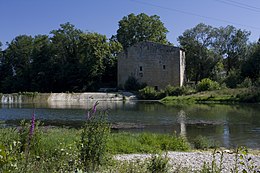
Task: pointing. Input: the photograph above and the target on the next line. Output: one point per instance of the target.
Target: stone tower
(155, 64)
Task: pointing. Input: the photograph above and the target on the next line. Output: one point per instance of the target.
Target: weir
(11, 98)
(65, 97)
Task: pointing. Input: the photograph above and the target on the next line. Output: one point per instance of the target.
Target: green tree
(66, 42)
(251, 67)
(231, 44)
(200, 59)
(43, 65)
(18, 59)
(141, 27)
(94, 48)
(3, 67)
(109, 77)
(82, 57)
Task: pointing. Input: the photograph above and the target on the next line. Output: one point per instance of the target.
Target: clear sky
(33, 17)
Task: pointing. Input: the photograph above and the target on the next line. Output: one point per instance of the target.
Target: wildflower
(32, 125)
(95, 107)
(92, 111)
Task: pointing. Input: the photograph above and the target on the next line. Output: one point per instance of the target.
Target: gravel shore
(194, 160)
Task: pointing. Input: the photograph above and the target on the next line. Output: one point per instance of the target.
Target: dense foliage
(207, 85)
(137, 28)
(222, 54)
(67, 60)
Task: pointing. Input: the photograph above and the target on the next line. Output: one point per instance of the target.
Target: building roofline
(142, 42)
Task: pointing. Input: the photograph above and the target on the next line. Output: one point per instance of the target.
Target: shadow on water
(231, 125)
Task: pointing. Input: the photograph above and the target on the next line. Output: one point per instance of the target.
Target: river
(230, 125)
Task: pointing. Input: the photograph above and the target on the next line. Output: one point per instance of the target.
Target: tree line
(223, 54)
(69, 59)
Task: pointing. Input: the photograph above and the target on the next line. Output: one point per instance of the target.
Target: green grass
(58, 148)
(128, 143)
(54, 139)
(58, 152)
(239, 95)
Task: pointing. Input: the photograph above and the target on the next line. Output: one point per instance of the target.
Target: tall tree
(137, 28)
(200, 59)
(231, 44)
(18, 59)
(109, 77)
(251, 66)
(43, 65)
(65, 42)
(94, 48)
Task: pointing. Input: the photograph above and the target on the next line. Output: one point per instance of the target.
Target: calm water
(231, 125)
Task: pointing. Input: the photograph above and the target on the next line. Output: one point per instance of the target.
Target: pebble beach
(193, 161)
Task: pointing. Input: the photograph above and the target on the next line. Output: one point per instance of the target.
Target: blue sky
(32, 17)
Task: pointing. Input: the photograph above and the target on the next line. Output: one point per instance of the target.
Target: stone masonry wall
(155, 64)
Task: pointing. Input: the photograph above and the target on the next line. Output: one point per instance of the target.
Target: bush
(132, 84)
(158, 163)
(93, 141)
(149, 93)
(178, 91)
(252, 95)
(207, 85)
(257, 82)
(202, 142)
(233, 79)
(246, 83)
(173, 91)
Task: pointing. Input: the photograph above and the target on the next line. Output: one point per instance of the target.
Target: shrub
(149, 93)
(93, 142)
(158, 164)
(233, 79)
(257, 82)
(252, 95)
(246, 83)
(9, 150)
(132, 84)
(173, 91)
(202, 142)
(207, 85)
(178, 91)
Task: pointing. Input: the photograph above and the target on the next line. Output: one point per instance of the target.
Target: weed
(158, 163)
(213, 167)
(93, 141)
(202, 142)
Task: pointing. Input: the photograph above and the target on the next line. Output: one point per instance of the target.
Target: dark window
(141, 68)
(164, 67)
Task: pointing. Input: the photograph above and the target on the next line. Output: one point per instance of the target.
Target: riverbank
(57, 150)
(239, 95)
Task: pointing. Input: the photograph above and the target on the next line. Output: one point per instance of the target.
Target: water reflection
(230, 124)
(182, 121)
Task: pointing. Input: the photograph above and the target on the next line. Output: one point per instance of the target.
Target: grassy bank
(59, 149)
(118, 143)
(239, 95)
